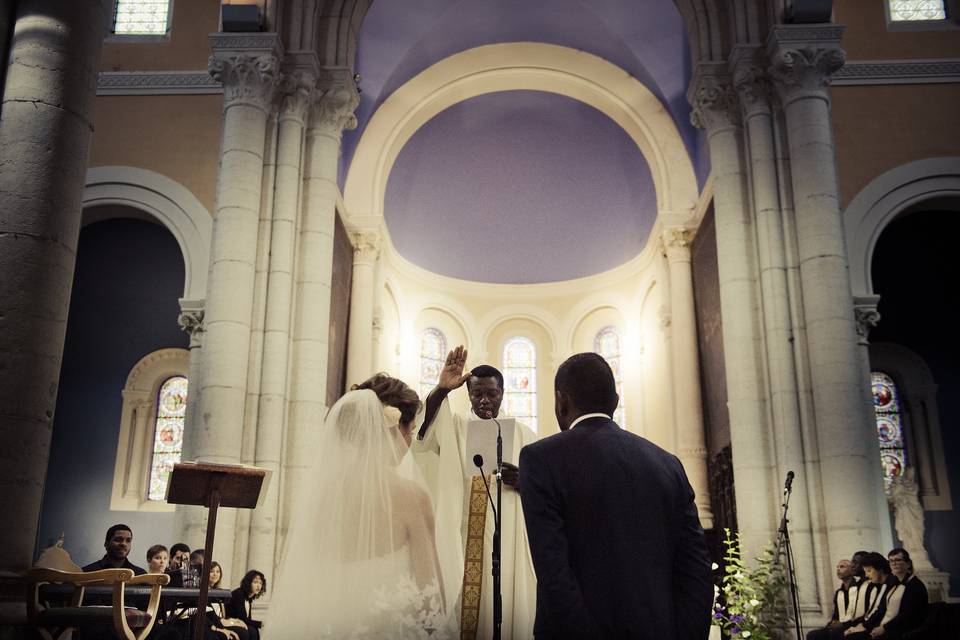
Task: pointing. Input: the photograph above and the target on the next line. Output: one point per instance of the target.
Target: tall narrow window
(520, 380)
(886, 405)
(607, 344)
(916, 10)
(141, 17)
(433, 352)
(167, 434)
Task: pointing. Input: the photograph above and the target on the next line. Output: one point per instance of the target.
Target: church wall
(912, 264)
(123, 305)
(177, 136)
(559, 317)
(185, 49)
(867, 37)
(880, 127)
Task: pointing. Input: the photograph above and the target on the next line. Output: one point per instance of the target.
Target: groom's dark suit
(615, 537)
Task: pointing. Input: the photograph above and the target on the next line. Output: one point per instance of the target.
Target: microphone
(478, 463)
(789, 483)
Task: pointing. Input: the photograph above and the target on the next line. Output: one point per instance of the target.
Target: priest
(464, 518)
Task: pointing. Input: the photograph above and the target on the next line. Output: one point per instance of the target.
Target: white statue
(908, 516)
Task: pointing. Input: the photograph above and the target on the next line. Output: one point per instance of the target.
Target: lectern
(213, 486)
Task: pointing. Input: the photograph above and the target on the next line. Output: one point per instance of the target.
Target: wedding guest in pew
(240, 607)
(117, 542)
(157, 559)
(217, 614)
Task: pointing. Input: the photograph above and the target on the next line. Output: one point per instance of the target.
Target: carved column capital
(191, 321)
(802, 59)
(366, 246)
(335, 99)
(754, 88)
(867, 318)
(247, 79)
(676, 243)
(713, 99)
(297, 92)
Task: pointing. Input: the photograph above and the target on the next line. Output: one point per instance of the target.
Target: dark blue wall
(128, 278)
(915, 270)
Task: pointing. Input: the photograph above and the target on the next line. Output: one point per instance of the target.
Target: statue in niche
(904, 497)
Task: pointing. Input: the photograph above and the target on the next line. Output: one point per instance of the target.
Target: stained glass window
(141, 17)
(607, 344)
(520, 380)
(167, 434)
(433, 353)
(886, 405)
(912, 10)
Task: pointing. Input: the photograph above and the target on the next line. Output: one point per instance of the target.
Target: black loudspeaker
(240, 17)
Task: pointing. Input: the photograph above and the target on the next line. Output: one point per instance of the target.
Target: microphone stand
(495, 560)
(783, 545)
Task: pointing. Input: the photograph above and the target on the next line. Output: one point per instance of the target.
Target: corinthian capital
(191, 321)
(713, 100)
(335, 99)
(366, 246)
(297, 92)
(247, 79)
(676, 243)
(802, 58)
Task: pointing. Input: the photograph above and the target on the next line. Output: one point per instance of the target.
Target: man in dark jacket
(614, 533)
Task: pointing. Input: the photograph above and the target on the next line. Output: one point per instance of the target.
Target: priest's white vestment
(441, 455)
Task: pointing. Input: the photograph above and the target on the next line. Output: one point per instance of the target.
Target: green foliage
(751, 598)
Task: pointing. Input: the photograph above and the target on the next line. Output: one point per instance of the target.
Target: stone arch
(530, 66)
(885, 198)
(166, 201)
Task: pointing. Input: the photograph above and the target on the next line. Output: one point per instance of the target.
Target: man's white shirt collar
(587, 416)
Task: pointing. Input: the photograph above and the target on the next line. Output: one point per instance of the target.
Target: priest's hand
(511, 475)
(452, 375)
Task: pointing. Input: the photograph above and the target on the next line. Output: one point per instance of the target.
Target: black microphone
(478, 463)
(789, 483)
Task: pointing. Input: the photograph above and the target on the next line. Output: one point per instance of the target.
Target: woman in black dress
(253, 585)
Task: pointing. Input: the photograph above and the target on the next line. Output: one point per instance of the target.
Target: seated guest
(157, 559)
(907, 607)
(877, 570)
(844, 603)
(179, 556)
(253, 585)
(118, 541)
(216, 613)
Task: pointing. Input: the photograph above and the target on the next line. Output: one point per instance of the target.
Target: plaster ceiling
(534, 187)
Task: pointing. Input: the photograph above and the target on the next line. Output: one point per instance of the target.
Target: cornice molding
(149, 83)
(916, 71)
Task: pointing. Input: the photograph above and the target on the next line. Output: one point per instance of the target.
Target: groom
(613, 528)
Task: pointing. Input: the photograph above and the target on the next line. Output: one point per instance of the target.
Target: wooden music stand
(213, 486)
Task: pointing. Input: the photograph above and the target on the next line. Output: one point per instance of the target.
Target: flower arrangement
(749, 601)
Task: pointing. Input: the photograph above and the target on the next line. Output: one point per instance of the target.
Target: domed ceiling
(521, 186)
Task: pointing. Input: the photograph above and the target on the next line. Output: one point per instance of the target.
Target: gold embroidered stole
(473, 560)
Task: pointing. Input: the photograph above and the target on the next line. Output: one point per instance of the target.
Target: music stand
(212, 485)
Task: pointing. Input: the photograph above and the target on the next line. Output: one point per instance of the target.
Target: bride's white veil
(360, 547)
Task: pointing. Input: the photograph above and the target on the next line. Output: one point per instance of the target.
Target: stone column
(754, 90)
(687, 400)
(715, 108)
(45, 125)
(330, 113)
(366, 248)
(803, 57)
(189, 522)
(248, 68)
(276, 331)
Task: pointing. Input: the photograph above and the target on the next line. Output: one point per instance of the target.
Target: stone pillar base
(937, 583)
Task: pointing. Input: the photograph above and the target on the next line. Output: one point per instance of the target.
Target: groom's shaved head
(587, 380)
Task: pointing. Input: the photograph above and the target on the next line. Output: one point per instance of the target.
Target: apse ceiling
(520, 186)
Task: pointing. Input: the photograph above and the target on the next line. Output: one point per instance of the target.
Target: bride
(360, 559)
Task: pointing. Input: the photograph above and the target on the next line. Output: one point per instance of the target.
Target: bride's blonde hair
(394, 393)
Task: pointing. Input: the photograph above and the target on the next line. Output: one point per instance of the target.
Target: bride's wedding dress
(360, 560)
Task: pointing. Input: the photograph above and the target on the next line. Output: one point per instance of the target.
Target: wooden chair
(55, 622)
